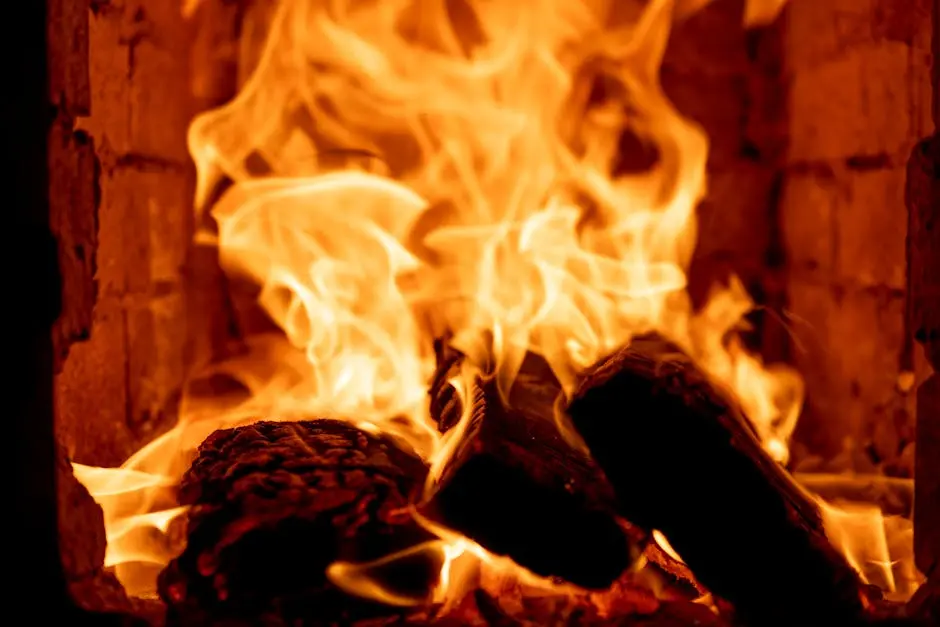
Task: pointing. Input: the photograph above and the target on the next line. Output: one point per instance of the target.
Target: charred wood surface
(518, 489)
(683, 460)
(560, 612)
(273, 504)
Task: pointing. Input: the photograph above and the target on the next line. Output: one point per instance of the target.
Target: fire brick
(138, 60)
(871, 229)
(91, 393)
(849, 105)
(846, 343)
(807, 209)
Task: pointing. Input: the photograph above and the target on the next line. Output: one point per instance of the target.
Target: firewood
(273, 504)
(445, 407)
(683, 460)
(559, 611)
(516, 487)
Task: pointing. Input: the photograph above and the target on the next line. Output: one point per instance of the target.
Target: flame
(879, 547)
(663, 543)
(393, 170)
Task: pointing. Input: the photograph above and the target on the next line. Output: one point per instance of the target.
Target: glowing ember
(406, 167)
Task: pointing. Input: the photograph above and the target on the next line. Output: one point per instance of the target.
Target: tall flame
(399, 168)
(493, 206)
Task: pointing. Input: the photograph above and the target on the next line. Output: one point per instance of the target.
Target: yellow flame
(663, 543)
(402, 168)
(858, 531)
(368, 579)
(879, 547)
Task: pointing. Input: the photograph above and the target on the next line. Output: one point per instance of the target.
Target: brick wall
(118, 385)
(859, 98)
(141, 306)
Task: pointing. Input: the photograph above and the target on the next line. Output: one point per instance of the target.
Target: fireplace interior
(445, 312)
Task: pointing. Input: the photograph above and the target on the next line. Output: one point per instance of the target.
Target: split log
(273, 504)
(516, 487)
(683, 460)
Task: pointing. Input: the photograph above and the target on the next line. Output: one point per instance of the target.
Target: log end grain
(517, 488)
(683, 460)
(273, 504)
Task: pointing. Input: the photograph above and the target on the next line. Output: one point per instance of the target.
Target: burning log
(512, 610)
(518, 489)
(273, 505)
(683, 460)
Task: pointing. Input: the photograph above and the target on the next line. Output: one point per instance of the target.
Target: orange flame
(405, 167)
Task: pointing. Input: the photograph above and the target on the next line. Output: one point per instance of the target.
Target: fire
(406, 167)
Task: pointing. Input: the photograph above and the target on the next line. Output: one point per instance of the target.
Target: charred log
(445, 406)
(516, 487)
(273, 504)
(561, 612)
(683, 460)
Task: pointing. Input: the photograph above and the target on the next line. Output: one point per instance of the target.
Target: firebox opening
(569, 312)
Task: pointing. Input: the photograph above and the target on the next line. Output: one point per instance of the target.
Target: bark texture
(273, 505)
